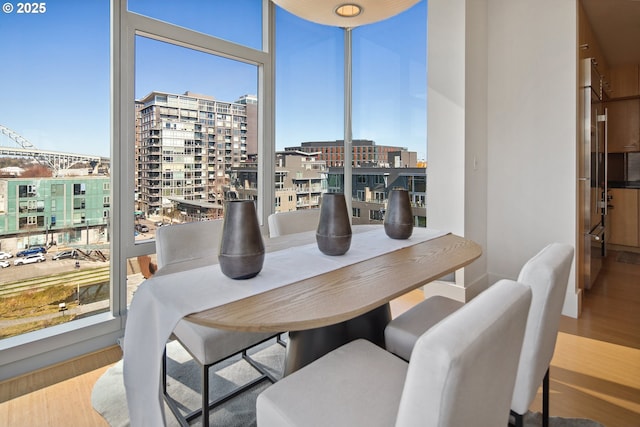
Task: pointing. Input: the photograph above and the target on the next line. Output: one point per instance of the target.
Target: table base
(308, 345)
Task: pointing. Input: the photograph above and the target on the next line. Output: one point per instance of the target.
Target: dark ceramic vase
(398, 220)
(241, 248)
(334, 227)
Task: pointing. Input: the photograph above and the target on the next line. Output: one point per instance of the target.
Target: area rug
(628, 257)
(183, 383)
(108, 396)
(534, 419)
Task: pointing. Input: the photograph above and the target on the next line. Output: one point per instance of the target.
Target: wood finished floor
(595, 372)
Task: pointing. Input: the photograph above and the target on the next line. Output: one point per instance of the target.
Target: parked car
(72, 253)
(5, 255)
(32, 251)
(142, 228)
(4, 264)
(30, 259)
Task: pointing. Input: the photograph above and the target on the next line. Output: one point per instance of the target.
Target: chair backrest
(188, 241)
(547, 273)
(463, 369)
(282, 223)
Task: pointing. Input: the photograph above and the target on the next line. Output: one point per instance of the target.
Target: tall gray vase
(241, 253)
(398, 220)
(334, 227)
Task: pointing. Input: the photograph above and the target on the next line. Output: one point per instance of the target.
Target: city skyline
(389, 108)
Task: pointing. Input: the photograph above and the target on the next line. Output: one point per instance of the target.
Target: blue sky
(54, 78)
(54, 82)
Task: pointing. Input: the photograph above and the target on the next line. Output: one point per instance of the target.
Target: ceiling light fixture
(339, 13)
(349, 10)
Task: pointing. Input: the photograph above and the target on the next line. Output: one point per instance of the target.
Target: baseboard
(572, 302)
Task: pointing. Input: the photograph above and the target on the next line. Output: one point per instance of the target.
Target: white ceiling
(616, 24)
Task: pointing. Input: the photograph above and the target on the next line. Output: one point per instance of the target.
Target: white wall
(446, 114)
(476, 127)
(517, 154)
(456, 133)
(532, 132)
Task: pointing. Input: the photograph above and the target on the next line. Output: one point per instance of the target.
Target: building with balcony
(61, 211)
(305, 174)
(300, 180)
(186, 144)
(370, 191)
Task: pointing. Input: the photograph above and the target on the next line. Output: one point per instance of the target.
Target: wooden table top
(345, 293)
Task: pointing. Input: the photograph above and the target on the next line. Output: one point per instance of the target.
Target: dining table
(322, 301)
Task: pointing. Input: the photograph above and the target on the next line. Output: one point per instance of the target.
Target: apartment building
(305, 175)
(186, 144)
(365, 153)
(57, 211)
(370, 190)
(300, 180)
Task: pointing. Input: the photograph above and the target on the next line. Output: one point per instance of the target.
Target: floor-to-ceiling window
(182, 103)
(388, 106)
(171, 105)
(196, 126)
(199, 71)
(55, 167)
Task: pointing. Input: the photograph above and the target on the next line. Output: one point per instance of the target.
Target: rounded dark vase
(334, 226)
(398, 220)
(241, 253)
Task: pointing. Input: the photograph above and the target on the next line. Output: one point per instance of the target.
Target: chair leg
(518, 419)
(263, 372)
(164, 371)
(170, 402)
(205, 396)
(545, 400)
(207, 406)
(281, 341)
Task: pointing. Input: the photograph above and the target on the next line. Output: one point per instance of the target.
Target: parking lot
(49, 267)
(52, 267)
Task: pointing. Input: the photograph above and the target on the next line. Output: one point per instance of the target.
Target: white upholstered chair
(199, 242)
(282, 223)
(462, 373)
(402, 332)
(547, 273)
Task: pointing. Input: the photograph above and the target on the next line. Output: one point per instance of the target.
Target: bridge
(54, 160)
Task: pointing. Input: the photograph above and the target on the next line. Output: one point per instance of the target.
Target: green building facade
(64, 210)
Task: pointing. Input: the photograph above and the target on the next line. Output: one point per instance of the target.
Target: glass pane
(238, 21)
(309, 106)
(196, 135)
(390, 111)
(55, 190)
(138, 269)
(390, 83)
(196, 131)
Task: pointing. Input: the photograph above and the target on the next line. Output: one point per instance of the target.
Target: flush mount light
(337, 13)
(348, 10)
